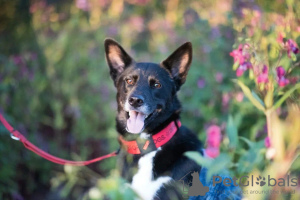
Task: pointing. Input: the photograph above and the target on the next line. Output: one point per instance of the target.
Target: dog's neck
(147, 142)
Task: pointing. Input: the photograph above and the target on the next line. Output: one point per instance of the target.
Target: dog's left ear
(178, 63)
(117, 58)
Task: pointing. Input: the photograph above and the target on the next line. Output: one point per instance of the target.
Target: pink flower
(237, 54)
(225, 100)
(219, 77)
(212, 152)
(280, 38)
(242, 68)
(267, 142)
(290, 45)
(239, 96)
(213, 141)
(282, 81)
(240, 71)
(137, 23)
(263, 77)
(83, 5)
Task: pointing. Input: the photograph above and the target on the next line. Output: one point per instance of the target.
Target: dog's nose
(136, 100)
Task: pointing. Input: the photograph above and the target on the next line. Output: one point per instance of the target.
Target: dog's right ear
(116, 57)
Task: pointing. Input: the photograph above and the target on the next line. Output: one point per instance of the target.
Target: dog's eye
(157, 85)
(129, 81)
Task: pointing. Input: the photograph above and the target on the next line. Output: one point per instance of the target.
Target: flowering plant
(269, 57)
(267, 69)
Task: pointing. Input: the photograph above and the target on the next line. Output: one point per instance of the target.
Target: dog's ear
(178, 63)
(116, 57)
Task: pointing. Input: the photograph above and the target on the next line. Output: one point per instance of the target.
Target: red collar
(159, 139)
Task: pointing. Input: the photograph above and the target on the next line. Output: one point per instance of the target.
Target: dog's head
(146, 92)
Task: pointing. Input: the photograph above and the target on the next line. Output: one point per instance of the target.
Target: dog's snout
(136, 101)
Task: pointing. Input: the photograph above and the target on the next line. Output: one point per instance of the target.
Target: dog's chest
(142, 182)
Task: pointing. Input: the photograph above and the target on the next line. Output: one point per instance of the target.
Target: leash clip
(14, 137)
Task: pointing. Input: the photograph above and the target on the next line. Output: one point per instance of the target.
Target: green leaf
(285, 96)
(293, 56)
(250, 143)
(251, 74)
(232, 132)
(235, 65)
(252, 157)
(257, 98)
(218, 165)
(198, 158)
(290, 2)
(249, 95)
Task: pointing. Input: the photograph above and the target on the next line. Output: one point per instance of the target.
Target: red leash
(18, 136)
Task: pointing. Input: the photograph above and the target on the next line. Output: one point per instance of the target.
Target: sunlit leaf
(293, 56)
(257, 98)
(285, 96)
(249, 95)
(235, 66)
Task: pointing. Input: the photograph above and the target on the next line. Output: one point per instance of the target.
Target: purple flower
(242, 68)
(280, 71)
(282, 81)
(18, 60)
(292, 46)
(201, 83)
(267, 142)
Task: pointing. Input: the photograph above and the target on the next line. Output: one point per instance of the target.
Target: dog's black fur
(155, 86)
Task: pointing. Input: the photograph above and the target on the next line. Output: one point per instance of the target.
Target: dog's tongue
(135, 123)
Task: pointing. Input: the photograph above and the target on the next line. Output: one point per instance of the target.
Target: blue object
(219, 191)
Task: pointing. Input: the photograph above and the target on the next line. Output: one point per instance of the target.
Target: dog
(152, 139)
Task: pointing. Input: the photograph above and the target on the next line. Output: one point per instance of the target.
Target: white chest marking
(142, 182)
(144, 135)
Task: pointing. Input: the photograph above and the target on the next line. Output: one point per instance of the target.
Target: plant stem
(268, 114)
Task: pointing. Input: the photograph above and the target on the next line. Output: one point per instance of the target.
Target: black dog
(152, 139)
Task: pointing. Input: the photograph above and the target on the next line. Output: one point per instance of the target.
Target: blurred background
(56, 90)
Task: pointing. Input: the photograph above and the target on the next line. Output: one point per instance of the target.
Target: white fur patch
(144, 135)
(142, 182)
(144, 108)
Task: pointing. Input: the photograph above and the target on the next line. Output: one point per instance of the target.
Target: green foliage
(55, 85)
(232, 132)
